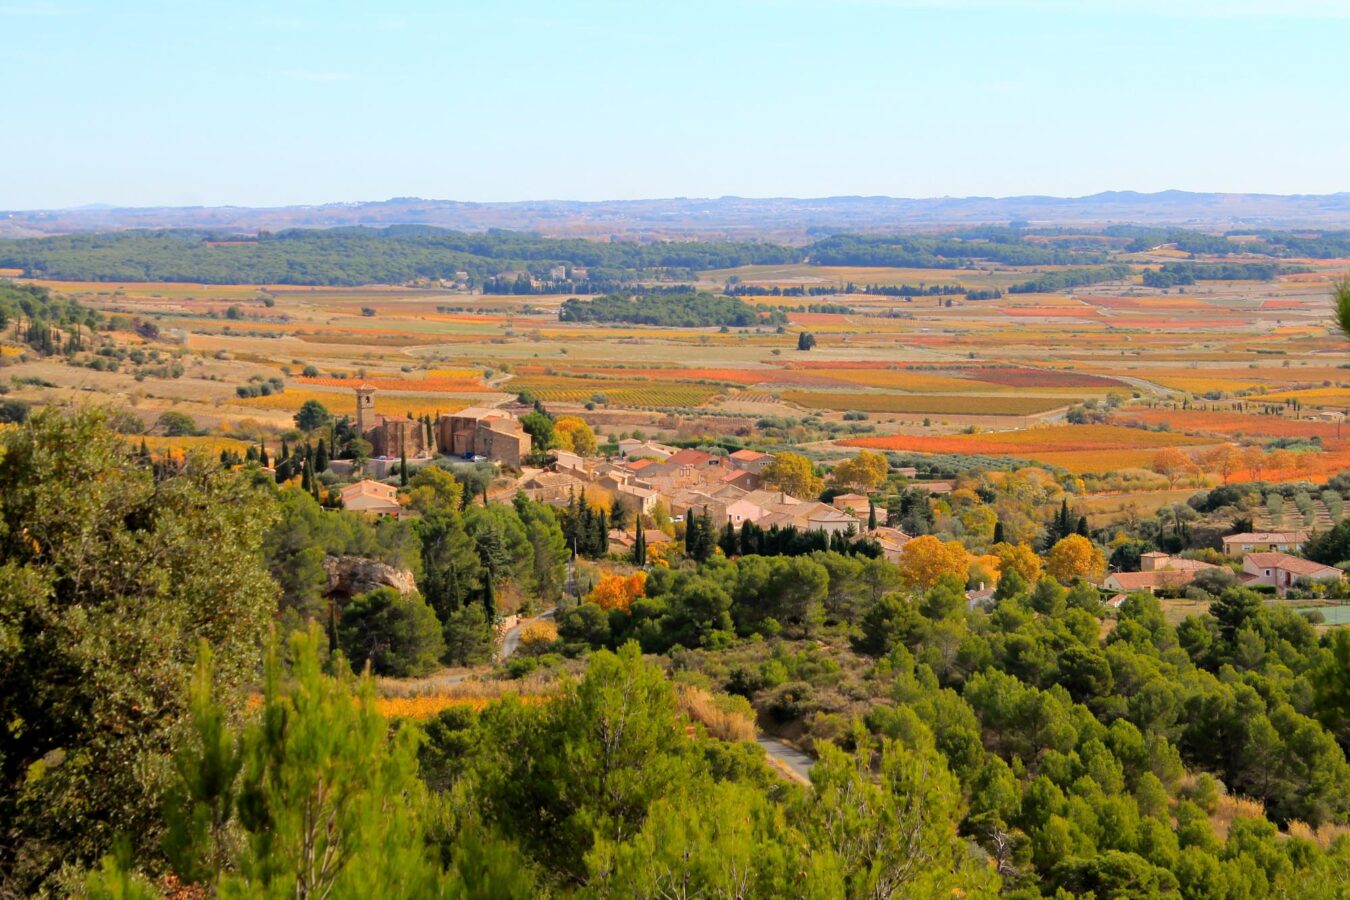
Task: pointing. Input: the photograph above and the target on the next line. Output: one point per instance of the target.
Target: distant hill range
(724, 217)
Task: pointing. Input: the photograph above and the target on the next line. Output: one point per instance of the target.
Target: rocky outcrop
(350, 576)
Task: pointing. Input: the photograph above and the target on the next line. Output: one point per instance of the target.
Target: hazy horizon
(97, 204)
(156, 104)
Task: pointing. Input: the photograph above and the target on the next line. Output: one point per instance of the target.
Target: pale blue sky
(263, 103)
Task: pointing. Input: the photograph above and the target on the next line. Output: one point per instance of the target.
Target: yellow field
(209, 444)
(343, 403)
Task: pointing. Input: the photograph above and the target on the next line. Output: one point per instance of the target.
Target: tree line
(689, 310)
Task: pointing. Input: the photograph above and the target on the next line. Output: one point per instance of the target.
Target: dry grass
(1230, 809)
(1324, 835)
(723, 717)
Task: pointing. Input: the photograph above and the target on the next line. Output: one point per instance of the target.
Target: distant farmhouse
(1264, 541)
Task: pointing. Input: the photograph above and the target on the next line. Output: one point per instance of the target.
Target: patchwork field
(1252, 364)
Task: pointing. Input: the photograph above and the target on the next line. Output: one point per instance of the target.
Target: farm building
(494, 434)
(1264, 541)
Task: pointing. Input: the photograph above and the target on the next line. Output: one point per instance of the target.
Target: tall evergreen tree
(729, 542)
(640, 547)
(321, 457)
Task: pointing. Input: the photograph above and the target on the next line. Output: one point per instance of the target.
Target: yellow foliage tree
(924, 560)
(1075, 557)
(793, 474)
(618, 591)
(866, 471)
(1018, 558)
(574, 435)
(537, 636)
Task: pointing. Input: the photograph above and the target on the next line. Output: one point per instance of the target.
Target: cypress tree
(871, 516)
(262, 453)
(729, 544)
(600, 534)
(403, 469)
(1082, 526)
(305, 484)
(998, 531)
(321, 457)
(489, 597)
(640, 547)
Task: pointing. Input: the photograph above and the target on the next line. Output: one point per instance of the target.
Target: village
(665, 487)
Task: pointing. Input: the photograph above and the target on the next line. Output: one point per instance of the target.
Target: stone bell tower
(365, 408)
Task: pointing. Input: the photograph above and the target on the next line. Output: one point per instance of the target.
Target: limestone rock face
(350, 576)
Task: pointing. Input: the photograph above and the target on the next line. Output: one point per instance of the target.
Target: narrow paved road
(794, 760)
(511, 640)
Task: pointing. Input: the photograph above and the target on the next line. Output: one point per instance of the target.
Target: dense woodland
(409, 253)
(1047, 746)
(354, 256)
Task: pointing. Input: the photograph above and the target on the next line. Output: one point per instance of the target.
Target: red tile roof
(690, 458)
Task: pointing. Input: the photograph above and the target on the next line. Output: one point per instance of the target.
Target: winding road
(511, 640)
(796, 762)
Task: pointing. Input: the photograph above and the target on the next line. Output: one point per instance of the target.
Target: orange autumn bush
(618, 591)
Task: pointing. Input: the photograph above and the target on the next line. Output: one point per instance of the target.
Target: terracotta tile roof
(1295, 564)
(1267, 537)
(690, 458)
